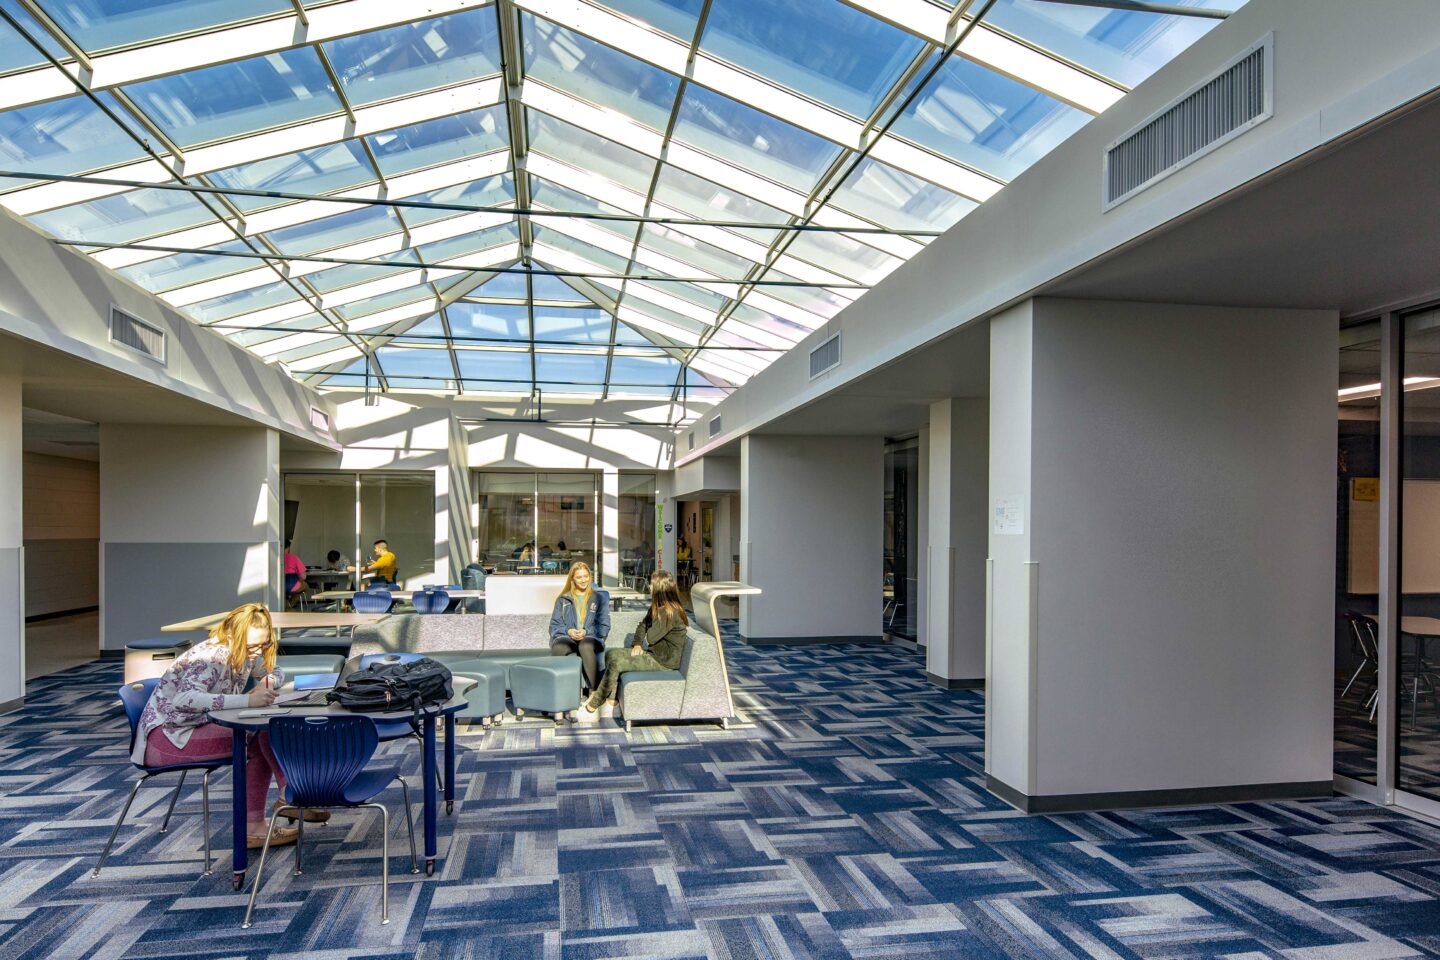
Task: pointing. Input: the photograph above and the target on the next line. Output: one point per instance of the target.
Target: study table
(243, 726)
(285, 620)
(401, 594)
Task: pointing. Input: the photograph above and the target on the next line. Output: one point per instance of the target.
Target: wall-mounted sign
(669, 527)
(1365, 488)
(1009, 516)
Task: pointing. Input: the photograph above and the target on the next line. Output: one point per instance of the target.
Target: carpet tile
(842, 815)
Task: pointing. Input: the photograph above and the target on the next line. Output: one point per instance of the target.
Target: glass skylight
(769, 114)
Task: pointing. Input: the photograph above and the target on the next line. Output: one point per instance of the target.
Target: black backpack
(386, 687)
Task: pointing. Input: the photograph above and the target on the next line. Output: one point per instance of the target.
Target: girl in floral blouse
(213, 675)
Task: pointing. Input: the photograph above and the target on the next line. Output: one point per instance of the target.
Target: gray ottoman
(549, 685)
(486, 699)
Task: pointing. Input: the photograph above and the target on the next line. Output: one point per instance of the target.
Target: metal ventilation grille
(135, 334)
(319, 419)
(825, 356)
(1220, 109)
(714, 426)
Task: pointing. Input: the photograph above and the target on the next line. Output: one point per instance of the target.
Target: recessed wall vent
(715, 426)
(132, 333)
(319, 419)
(825, 356)
(1213, 113)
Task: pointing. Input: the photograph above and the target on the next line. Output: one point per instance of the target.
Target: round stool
(486, 699)
(549, 685)
(151, 658)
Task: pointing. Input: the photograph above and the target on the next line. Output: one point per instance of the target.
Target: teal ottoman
(486, 699)
(547, 685)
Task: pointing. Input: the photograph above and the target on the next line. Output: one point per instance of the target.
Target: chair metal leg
(114, 832)
(299, 843)
(409, 823)
(260, 868)
(1353, 677)
(384, 861)
(165, 824)
(205, 807)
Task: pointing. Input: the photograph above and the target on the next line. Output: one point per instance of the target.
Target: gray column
(12, 585)
(811, 525)
(189, 524)
(957, 512)
(1162, 484)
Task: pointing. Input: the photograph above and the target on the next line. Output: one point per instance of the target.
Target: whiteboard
(1419, 540)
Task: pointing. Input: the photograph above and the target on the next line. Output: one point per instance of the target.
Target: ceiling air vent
(825, 356)
(1210, 115)
(319, 419)
(715, 426)
(135, 334)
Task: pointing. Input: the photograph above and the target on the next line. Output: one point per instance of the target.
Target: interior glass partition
(1357, 567)
(347, 512)
(636, 521)
(1417, 677)
(900, 588)
(537, 522)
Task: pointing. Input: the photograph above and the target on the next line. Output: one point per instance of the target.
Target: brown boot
(311, 815)
(281, 837)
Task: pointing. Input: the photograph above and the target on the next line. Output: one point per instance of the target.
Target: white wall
(62, 534)
(189, 524)
(12, 532)
(1179, 524)
(958, 545)
(1338, 65)
(811, 529)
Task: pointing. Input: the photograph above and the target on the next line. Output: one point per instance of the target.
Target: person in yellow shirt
(383, 566)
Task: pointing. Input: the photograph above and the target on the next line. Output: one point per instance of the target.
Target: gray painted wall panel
(12, 626)
(148, 585)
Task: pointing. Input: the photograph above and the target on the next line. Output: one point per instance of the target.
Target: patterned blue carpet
(843, 816)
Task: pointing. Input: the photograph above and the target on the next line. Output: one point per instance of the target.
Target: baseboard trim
(956, 683)
(807, 641)
(1184, 796)
(11, 705)
(61, 613)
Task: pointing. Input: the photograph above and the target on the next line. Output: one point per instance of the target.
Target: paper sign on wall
(1009, 516)
(1365, 488)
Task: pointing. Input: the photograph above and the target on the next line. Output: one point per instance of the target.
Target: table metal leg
(239, 852)
(450, 763)
(428, 779)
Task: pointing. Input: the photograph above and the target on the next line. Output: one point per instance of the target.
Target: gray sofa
(700, 688)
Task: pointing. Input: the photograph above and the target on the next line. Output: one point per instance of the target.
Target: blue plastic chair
(397, 729)
(550, 566)
(134, 696)
(372, 601)
(431, 601)
(323, 759)
(454, 604)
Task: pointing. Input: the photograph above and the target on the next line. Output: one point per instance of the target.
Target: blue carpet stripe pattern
(843, 815)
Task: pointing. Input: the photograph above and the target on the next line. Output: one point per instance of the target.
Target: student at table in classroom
(239, 655)
(382, 568)
(294, 574)
(337, 562)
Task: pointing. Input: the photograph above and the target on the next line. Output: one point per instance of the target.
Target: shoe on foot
(311, 816)
(585, 714)
(607, 711)
(281, 837)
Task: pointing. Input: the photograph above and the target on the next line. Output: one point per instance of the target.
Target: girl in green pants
(658, 644)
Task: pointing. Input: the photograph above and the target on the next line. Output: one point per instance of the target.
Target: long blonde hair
(665, 598)
(234, 632)
(575, 568)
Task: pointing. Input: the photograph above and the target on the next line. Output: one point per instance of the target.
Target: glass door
(899, 590)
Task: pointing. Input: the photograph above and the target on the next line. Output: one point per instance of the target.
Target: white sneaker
(586, 715)
(607, 711)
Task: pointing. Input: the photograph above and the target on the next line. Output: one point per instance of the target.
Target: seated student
(380, 570)
(295, 567)
(581, 622)
(658, 644)
(336, 561)
(212, 675)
